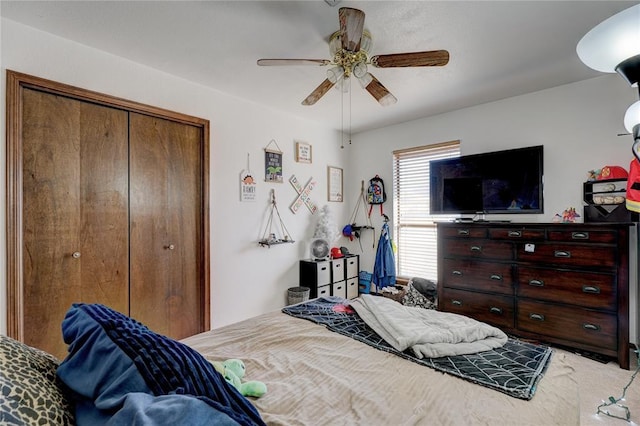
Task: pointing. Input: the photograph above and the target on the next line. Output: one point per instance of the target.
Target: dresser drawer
(567, 254)
(478, 275)
(597, 236)
(492, 309)
(569, 323)
(516, 234)
(587, 289)
(483, 249)
(462, 232)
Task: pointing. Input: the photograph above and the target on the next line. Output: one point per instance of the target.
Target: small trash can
(297, 295)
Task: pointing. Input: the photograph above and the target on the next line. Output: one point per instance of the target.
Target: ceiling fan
(349, 47)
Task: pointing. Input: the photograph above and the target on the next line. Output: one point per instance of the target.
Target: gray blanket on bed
(429, 333)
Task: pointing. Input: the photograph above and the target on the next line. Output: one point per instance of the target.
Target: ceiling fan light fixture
(335, 74)
(360, 69)
(614, 45)
(349, 47)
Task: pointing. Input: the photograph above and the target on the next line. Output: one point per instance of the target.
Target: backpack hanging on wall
(376, 193)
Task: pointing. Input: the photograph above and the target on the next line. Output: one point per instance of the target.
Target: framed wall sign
(303, 152)
(272, 163)
(334, 183)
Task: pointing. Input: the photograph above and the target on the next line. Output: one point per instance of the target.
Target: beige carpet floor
(597, 382)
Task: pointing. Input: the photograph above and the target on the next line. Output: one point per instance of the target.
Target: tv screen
(507, 181)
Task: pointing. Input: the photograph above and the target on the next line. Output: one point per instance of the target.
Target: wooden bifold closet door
(165, 177)
(107, 204)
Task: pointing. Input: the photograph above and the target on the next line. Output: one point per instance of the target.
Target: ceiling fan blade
(319, 92)
(433, 58)
(286, 62)
(351, 27)
(377, 90)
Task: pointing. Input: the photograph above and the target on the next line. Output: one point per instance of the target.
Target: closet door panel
(74, 212)
(166, 225)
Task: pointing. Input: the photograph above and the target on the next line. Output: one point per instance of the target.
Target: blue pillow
(111, 356)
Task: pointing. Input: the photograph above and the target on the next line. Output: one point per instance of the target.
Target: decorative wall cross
(303, 194)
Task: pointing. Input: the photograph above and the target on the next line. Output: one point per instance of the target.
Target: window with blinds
(414, 227)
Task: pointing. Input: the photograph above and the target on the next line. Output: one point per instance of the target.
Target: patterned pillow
(30, 391)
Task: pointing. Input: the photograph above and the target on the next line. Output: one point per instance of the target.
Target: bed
(316, 374)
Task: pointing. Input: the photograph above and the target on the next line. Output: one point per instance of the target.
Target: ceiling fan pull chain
(350, 113)
(342, 118)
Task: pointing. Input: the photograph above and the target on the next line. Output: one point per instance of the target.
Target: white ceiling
(498, 49)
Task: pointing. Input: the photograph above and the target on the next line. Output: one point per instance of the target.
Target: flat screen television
(509, 181)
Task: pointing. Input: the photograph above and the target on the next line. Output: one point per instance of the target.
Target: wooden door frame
(16, 82)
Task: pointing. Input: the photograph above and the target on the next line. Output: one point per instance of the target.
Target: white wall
(577, 123)
(246, 279)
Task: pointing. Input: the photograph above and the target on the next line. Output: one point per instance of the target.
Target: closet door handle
(76, 255)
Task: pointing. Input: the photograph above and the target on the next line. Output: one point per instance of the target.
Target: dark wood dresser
(566, 284)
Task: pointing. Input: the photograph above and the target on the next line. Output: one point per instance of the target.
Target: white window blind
(414, 227)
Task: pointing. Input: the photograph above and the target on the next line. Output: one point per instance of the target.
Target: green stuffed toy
(233, 371)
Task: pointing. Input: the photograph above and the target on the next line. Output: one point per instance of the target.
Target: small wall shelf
(269, 237)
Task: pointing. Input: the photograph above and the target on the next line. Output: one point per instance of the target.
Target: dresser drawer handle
(456, 302)
(592, 327)
(591, 289)
(476, 248)
(562, 253)
(515, 234)
(537, 317)
(464, 232)
(536, 283)
(496, 277)
(495, 310)
(456, 272)
(324, 268)
(580, 235)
